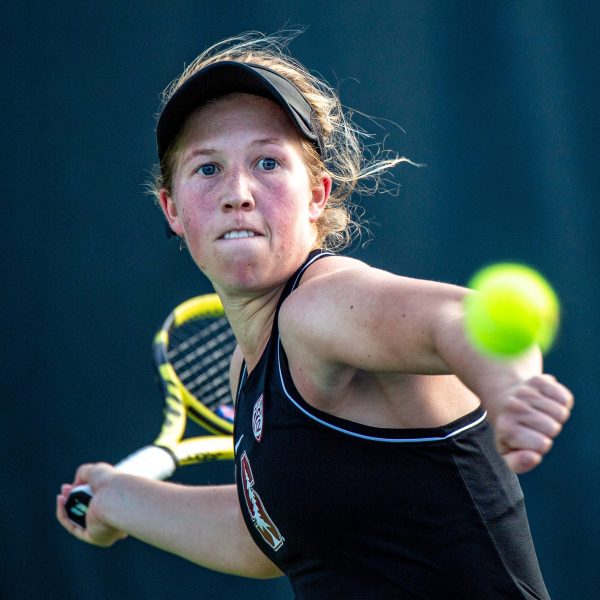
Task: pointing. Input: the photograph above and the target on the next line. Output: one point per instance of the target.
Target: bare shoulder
(337, 283)
(323, 282)
(341, 300)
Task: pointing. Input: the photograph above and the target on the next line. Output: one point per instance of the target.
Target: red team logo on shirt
(257, 418)
(261, 519)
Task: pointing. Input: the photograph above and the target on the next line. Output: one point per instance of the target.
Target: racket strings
(195, 332)
(200, 355)
(212, 385)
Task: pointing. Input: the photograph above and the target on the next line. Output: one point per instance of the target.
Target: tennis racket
(192, 351)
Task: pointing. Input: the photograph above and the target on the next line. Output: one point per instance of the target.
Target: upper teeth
(231, 235)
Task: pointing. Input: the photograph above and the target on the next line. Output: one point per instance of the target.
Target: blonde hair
(351, 163)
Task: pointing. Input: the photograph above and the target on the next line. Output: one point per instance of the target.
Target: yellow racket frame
(179, 402)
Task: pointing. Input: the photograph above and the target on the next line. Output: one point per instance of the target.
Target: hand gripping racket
(192, 351)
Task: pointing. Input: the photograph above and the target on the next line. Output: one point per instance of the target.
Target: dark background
(499, 99)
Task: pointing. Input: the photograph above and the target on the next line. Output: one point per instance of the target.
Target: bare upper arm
(348, 313)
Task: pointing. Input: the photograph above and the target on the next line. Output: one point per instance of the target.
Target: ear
(320, 196)
(169, 208)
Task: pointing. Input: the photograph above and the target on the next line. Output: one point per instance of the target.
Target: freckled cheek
(193, 213)
(184, 216)
(287, 197)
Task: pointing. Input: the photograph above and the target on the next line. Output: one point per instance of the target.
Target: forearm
(201, 524)
(488, 378)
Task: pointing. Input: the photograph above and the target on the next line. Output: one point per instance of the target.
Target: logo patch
(257, 418)
(260, 517)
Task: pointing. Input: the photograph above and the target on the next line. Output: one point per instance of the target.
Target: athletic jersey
(351, 511)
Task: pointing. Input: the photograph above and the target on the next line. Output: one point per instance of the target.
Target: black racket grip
(77, 504)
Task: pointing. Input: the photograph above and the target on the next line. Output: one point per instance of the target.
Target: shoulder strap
(294, 280)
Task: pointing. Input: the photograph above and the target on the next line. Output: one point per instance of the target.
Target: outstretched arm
(412, 326)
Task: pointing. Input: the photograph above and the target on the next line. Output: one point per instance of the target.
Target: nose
(237, 193)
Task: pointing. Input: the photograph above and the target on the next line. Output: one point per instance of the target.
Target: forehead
(239, 113)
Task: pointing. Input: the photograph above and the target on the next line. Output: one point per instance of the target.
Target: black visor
(228, 77)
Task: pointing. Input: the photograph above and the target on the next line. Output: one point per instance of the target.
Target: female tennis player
(375, 450)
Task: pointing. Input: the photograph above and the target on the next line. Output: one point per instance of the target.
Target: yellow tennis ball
(515, 308)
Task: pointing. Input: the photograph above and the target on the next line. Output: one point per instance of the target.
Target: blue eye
(267, 164)
(208, 170)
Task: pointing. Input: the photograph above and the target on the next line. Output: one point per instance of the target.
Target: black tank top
(351, 511)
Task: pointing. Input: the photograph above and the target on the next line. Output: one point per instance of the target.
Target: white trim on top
(361, 435)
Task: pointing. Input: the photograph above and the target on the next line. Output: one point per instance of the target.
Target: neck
(251, 318)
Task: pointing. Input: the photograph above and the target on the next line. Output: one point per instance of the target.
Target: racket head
(192, 352)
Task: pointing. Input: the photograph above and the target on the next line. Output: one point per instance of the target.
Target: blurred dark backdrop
(498, 98)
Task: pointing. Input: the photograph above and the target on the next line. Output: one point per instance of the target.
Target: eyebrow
(198, 151)
(264, 141)
(208, 151)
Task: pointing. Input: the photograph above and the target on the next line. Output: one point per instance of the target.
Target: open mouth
(242, 233)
